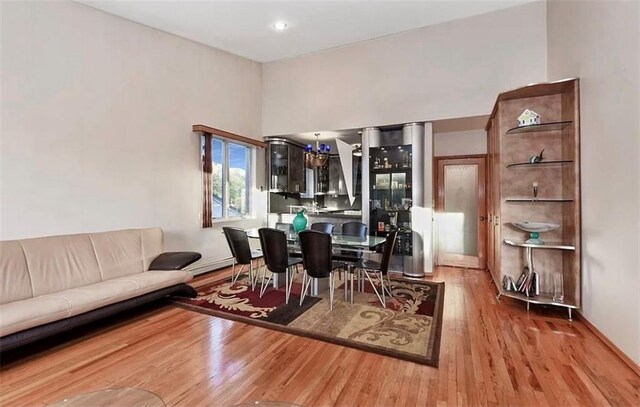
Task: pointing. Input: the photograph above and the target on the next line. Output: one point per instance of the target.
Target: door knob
(481, 218)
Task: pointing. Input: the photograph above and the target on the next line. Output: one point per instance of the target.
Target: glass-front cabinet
(279, 167)
(286, 167)
(390, 193)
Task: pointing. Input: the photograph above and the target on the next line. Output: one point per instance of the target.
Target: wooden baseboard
(626, 359)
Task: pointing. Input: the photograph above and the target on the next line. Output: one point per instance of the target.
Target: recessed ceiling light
(279, 26)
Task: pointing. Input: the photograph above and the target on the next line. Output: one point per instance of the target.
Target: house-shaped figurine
(528, 118)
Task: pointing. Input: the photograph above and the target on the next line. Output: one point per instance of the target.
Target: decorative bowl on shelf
(536, 226)
(534, 229)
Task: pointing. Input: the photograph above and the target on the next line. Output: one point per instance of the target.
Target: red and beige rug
(409, 328)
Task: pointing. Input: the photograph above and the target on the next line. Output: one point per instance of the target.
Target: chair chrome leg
(264, 273)
(251, 277)
(288, 280)
(264, 286)
(366, 273)
(388, 287)
(233, 272)
(240, 271)
(306, 281)
(384, 300)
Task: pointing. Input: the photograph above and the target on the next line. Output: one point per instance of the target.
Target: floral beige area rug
(409, 328)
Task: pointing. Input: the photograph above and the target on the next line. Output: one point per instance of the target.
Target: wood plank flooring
(492, 353)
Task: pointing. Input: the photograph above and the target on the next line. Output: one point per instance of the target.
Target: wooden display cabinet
(510, 196)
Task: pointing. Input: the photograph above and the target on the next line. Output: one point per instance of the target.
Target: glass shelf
(558, 163)
(552, 126)
(538, 200)
(390, 170)
(546, 245)
(542, 298)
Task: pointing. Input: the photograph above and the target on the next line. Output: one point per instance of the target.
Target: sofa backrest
(33, 267)
(15, 282)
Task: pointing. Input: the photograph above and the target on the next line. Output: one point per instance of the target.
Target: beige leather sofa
(51, 284)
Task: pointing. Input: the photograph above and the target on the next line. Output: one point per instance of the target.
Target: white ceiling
(244, 27)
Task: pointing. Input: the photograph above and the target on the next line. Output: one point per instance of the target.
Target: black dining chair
(317, 260)
(277, 259)
(325, 227)
(242, 254)
(381, 269)
(355, 229)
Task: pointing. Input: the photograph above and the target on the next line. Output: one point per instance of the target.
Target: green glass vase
(299, 222)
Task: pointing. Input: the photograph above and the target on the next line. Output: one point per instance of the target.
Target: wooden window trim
(201, 128)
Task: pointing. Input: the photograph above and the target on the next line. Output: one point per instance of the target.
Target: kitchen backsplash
(280, 203)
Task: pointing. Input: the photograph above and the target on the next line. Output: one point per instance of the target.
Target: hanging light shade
(319, 156)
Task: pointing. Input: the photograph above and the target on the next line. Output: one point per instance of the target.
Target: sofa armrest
(174, 260)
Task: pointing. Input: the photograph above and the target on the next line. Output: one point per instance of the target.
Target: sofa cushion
(90, 297)
(119, 252)
(20, 315)
(58, 263)
(15, 282)
(157, 279)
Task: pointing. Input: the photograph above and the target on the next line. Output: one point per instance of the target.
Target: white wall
(454, 69)
(96, 124)
(599, 42)
(460, 143)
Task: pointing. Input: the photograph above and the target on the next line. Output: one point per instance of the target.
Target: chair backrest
(355, 229)
(239, 244)
(388, 250)
(325, 227)
(316, 252)
(285, 227)
(274, 249)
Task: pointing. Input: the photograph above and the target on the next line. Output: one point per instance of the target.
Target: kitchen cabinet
(297, 179)
(285, 167)
(322, 179)
(357, 175)
(337, 184)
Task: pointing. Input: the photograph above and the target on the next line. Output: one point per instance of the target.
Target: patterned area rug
(409, 328)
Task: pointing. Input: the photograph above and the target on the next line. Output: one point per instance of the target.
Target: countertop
(337, 214)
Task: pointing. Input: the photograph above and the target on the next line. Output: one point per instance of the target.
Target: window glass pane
(239, 180)
(217, 155)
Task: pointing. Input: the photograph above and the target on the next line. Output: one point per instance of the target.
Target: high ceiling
(245, 27)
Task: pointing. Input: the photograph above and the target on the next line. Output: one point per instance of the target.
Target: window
(230, 179)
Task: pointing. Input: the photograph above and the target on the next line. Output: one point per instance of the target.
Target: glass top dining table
(343, 241)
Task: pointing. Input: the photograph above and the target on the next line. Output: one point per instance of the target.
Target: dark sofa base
(27, 336)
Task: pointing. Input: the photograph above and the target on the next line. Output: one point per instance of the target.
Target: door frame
(438, 193)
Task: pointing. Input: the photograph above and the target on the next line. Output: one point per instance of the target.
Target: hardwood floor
(492, 353)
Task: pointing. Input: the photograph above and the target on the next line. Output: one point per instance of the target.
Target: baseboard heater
(206, 265)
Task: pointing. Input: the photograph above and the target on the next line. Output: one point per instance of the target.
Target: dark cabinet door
(322, 179)
(297, 177)
(278, 167)
(334, 175)
(357, 175)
